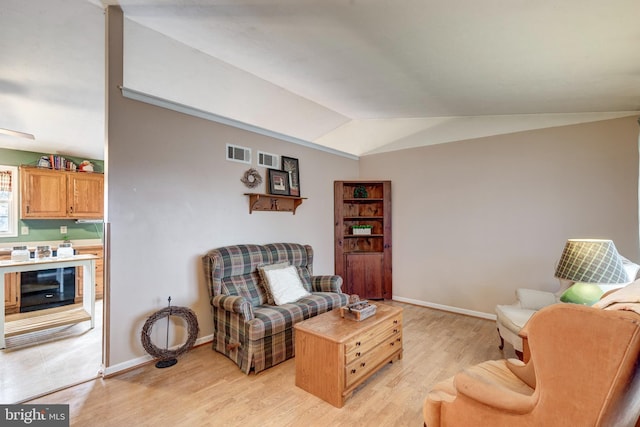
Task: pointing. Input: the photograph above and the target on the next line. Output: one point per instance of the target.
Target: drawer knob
(357, 343)
(358, 354)
(395, 331)
(362, 364)
(392, 343)
(395, 322)
(353, 371)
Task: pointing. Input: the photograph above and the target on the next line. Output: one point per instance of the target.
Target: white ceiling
(374, 75)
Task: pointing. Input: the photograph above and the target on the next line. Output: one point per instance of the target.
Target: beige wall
(173, 196)
(474, 220)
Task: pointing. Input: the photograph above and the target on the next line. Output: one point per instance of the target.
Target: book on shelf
(61, 163)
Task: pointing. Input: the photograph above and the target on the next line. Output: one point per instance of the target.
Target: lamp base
(582, 293)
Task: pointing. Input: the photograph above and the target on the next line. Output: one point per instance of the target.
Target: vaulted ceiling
(359, 76)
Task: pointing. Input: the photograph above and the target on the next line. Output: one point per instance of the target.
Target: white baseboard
(139, 361)
(446, 308)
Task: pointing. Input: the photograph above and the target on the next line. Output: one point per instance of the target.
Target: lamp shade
(591, 261)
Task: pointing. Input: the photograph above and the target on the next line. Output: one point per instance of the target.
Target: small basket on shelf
(361, 229)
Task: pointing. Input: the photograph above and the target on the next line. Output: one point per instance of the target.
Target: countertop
(5, 248)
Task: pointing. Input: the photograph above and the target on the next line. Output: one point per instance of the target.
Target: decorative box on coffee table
(334, 355)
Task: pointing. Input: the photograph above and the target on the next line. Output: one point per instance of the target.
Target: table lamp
(587, 262)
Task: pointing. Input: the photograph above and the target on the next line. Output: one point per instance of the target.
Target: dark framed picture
(278, 182)
(290, 165)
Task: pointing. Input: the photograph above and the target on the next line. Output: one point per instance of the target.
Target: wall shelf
(273, 202)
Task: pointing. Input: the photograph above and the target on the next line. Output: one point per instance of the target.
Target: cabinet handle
(395, 331)
(392, 343)
(395, 322)
(353, 371)
(357, 343)
(27, 208)
(358, 354)
(362, 364)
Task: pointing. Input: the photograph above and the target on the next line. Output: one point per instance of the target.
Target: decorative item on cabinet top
(61, 163)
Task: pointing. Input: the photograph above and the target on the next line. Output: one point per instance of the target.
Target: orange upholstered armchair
(581, 372)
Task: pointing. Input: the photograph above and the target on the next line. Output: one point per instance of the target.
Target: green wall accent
(49, 229)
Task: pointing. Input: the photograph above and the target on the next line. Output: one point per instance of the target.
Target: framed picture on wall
(290, 165)
(278, 182)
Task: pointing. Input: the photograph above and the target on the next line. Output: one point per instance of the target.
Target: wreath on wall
(251, 178)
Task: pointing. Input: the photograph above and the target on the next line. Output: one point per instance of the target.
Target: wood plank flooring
(207, 389)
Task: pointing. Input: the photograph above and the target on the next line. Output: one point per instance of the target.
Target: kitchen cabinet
(99, 277)
(11, 290)
(11, 293)
(56, 194)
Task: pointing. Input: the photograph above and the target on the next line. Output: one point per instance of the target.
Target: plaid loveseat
(252, 333)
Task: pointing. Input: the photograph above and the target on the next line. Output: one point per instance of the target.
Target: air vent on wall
(268, 160)
(240, 154)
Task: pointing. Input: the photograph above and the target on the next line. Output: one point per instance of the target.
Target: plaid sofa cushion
(232, 270)
(271, 319)
(247, 286)
(300, 256)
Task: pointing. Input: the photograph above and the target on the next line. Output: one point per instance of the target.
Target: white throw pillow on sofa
(284, 285)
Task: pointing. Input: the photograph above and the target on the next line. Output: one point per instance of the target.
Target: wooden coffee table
(334, 355)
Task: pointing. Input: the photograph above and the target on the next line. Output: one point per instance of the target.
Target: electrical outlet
(24, 230)
(63, 229)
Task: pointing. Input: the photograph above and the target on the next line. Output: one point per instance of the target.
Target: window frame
(13, 202)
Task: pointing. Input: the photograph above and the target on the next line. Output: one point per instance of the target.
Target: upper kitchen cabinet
(55, 194)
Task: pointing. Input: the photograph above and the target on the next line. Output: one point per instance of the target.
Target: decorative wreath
(165, 354)
(251, 178)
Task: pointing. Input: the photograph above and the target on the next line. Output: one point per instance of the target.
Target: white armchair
(511, 318)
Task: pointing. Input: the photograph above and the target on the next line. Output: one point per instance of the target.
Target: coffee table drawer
(370, 360)
(362, 346)
(368, 338)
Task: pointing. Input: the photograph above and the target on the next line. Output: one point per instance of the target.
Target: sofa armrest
(235, 304)
(326, 284)
(532, 299)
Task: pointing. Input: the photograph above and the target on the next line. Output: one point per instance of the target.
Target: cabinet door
(11, 293)
(99, 273)
(11, 290)
(364, 275)
(43, 194)
(85, 192)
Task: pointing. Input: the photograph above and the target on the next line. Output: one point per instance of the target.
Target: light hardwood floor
(206, 389)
